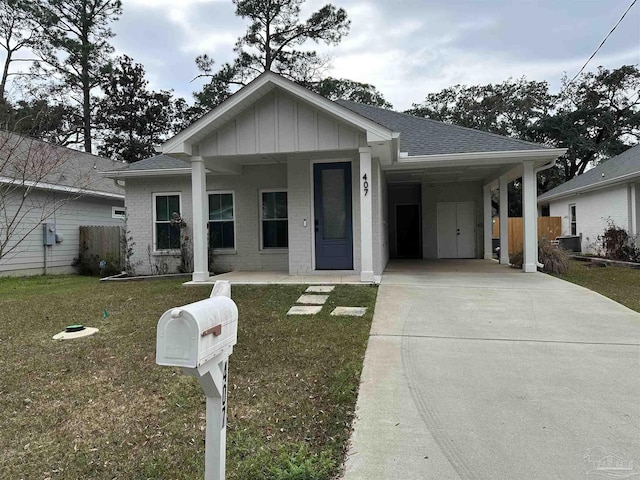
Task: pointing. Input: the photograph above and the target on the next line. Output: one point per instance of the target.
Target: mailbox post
(199, 338)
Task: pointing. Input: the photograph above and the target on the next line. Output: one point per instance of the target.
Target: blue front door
(333, 225)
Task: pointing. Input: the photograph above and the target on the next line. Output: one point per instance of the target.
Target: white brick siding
(246, 187)
(593, 210)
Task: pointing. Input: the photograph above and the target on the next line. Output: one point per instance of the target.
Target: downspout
(546, 166)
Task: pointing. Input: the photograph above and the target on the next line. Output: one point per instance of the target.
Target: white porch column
(530, 218)
(366, 213)
(633, 209)
(488, 223)
(504, 221)
(199, 233)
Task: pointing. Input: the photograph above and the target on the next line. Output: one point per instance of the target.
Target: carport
(438, 205)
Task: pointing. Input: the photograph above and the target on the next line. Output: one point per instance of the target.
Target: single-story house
(280, 178)
(42, 183)
(608, 193)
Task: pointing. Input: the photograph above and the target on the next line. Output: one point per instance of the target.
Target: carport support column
(199, 203)
(504, 221)
(488, 223)
(530, 214)
(366, 213)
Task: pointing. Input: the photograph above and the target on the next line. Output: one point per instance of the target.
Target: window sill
(272, 251)
(165, 253)
(224, 251)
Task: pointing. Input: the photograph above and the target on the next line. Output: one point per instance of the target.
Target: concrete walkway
(477, 371)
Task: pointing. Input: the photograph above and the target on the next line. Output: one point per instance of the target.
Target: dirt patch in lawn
(99, 407)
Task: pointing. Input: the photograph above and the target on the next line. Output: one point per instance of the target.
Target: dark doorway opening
(408, 231)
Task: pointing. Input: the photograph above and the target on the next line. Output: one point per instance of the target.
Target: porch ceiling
(444, 174)
(232, 164)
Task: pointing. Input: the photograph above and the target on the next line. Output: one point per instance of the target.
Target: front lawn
(619, 284)
(101, 408)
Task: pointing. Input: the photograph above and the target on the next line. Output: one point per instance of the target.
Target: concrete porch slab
(280, 278)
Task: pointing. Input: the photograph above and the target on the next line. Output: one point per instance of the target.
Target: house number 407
(365, 184)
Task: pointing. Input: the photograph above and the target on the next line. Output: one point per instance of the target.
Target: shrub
(616, 244)
(554, 259)
(92, 265)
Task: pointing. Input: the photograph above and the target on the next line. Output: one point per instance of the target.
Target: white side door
(466, 229)
(447, 230)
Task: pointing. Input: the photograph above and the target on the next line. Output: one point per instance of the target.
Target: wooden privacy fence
(548, 227)
(102, 242)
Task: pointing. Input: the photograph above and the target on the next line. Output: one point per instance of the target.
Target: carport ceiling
(443, 174)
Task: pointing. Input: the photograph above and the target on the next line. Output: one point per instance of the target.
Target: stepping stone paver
(304, 310)
(349, 311)
(313, 299)
(320, 289)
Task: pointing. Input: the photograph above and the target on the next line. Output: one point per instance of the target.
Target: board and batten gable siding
(248, 254)
(593, 211)
(278, 123)
(28, 258)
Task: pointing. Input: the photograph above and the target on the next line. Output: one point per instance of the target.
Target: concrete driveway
(477, 371)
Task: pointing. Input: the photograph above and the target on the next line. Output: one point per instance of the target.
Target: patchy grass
(619, 284)
(101, 408)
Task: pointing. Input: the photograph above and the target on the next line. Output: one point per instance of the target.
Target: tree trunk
(5, 75)
(86, 84)
(86, 113)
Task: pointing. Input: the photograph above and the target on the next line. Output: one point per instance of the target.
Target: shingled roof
(54, 166)
(159, 162)
(422, 136)
(616, 168)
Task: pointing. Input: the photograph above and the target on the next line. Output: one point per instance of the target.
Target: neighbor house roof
(159, 164)
(37, 164)
(422, 136)
(618, 169)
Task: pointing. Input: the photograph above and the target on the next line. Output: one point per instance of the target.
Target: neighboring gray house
(280, 178)
(44, 183)
(607, 193)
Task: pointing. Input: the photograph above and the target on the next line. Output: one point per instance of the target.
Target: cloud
(406, 48)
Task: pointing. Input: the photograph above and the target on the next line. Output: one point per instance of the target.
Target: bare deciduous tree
(36, 180)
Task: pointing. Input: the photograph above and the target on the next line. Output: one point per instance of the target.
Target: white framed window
(118, 212)
(573, 224)
(166, 236)
(222, 220)
(274, 219)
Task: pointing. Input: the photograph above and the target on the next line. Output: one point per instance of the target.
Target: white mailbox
(199, 337)
(192, 335)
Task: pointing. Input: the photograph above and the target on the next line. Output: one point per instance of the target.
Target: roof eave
(612, 182)
(85, 192)
(156, 172)
(506, 156)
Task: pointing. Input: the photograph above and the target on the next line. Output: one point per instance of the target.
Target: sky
(406, 48)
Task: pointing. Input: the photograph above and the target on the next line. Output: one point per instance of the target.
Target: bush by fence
(101, 250)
